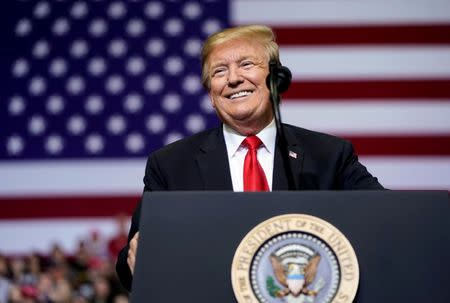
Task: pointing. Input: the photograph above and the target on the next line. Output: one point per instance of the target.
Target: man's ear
(211, 100)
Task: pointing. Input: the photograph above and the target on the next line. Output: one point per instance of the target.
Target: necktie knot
(252, 142)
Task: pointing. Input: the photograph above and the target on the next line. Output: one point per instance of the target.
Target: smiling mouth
(240, 94)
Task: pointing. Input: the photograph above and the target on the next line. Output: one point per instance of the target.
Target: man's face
(238, 71)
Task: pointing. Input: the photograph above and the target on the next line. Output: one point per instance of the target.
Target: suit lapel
(296, 158)
(212, 160)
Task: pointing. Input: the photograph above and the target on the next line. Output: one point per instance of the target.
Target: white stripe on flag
(389, 117)
(394, 172)
(49, 178)
(313, 12)
(364, 62)
(410, 172)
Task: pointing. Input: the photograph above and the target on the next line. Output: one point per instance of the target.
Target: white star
(153, 83)
(173, 65)
(116, 124)
(173, 27)
(94, 104)
(20, 68)
(134, 142)
(192, 10)
(55, 104)
(195, 123)
(79, 10)
(36, 125)
(117, 48)
(98, 27)
(94, 143)
(117, 10)
(191, 84)
(61, 26)
(16, 105)
(171, 103)
(37, 86)
(54, 144)
(192, 47)
(42, 10)
(211, 26)
(135, 27)
(41, 49)
(156, 123)
(58, 67)
(115, 84)
(97, 66)
(15, 145)
(154, 10)
(75, 85)
(79, 48)
(23, 27)
(133, 103)
(135, 65)
(76, 125)
(155, 47)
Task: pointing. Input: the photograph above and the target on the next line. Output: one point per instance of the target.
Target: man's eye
(247, 64)
(219, 72)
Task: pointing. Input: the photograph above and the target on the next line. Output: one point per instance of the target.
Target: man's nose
(235, 77)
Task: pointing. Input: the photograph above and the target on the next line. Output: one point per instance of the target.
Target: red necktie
(254, 177)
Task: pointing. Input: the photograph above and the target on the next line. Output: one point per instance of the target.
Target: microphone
(281, 75)
(278, 81)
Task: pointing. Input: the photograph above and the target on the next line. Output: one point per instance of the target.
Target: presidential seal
(294, 259)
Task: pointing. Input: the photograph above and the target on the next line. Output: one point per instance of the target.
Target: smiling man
(242, 154)
(235, 75)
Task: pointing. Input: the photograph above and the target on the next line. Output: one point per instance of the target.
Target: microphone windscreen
(284, 78)
(281, 74)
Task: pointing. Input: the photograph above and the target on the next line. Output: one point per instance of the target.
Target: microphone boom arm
(275, 98)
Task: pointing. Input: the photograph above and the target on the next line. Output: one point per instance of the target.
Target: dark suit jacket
(200, 162)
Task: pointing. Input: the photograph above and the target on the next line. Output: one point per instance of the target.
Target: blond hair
(256, 33)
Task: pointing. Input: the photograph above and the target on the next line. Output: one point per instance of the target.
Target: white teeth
(240, 94)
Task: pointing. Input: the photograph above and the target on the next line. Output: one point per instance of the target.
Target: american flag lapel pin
(292, 154)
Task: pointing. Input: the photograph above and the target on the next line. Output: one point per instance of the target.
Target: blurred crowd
(87, 276)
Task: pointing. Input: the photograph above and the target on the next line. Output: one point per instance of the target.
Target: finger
(133, 245)
(131, 261)
(134, 240)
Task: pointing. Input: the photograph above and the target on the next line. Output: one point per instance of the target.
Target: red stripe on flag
(345, 35)
(66, 207)
(377, 89)
(404, 146)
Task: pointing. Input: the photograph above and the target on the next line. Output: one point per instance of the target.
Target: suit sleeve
(352, 174)
(153, 181)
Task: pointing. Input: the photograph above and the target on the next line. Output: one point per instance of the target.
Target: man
(234, 71)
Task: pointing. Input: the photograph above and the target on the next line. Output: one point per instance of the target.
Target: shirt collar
(233, 139)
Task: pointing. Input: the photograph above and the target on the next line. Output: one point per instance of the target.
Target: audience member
(119, 240)
(87, 276)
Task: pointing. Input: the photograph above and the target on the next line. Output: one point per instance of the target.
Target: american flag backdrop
(90, 87)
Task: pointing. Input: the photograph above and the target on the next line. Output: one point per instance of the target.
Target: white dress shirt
(236, 154)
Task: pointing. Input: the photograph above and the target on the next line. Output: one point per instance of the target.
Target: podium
(188, 241)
